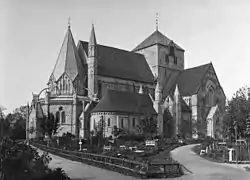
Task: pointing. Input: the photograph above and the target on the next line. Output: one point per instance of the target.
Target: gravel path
(200, 168)
(79, 171)
(204, 169)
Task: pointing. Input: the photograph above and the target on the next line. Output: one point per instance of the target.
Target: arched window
(57, 116)
(172, 53)
(60, 115)
(175, 60)
(122, 123)
(211, 97)
(63, 117)
(64, 85)
(133, 122)
(108, 122)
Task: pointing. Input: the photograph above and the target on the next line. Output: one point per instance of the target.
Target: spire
(140, 90)
(68, 60)
(176, 92)
(92, 39)
(69, 22)
(156, 21)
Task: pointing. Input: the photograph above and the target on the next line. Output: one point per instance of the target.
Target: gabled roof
(125, 102)
(156, 38)
(68, 60)
(117, 63)
(188, 80)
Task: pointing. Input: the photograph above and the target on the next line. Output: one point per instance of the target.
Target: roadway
(197, 168)
(203, 169)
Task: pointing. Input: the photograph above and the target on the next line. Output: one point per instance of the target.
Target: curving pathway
(79, 171)
(203, 169)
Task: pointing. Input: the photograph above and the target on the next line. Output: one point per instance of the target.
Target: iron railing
(139, 168)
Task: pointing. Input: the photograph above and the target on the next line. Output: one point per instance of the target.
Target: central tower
(162, 54)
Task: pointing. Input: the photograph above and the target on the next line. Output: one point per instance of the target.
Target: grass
(214, 157)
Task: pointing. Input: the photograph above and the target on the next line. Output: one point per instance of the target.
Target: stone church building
(92, 82)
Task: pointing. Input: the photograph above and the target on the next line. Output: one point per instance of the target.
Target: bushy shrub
(171, 141)
(56, 174)
(20, 161)
(132, 137)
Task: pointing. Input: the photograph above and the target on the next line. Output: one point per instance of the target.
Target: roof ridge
(197, 66)
(68, 60)
(67, 50)
(105, 46)
(203, 77)
(128, 92)
(61, 49)
(156, 37)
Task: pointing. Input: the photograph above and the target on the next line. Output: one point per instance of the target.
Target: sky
(32, 32)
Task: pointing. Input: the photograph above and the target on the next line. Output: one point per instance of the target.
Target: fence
(139, 168)
(241, 153)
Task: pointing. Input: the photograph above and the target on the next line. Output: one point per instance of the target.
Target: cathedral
(91, 82)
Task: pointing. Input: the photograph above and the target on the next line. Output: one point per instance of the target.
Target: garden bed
(171, 169)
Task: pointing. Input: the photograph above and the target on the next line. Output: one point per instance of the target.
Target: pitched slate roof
(156, 38)
(125, 102)
(188, 80)
(68, 60)
(117, 63)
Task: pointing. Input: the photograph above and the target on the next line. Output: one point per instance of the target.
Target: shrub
(132, 137)
(20, 161)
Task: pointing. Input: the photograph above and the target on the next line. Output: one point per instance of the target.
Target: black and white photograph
(124, 89)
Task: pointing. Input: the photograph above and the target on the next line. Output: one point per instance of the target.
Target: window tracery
(60, 115)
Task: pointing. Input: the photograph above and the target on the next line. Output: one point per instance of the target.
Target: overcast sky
(32, 32)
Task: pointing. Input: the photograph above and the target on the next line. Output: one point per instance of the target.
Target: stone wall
(163, 53)
(210, 94)
(70, 123)
(105, 83)
(151, 55)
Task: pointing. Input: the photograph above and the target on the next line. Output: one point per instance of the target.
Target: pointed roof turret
(176, 92)
(68, 60)
(92, 39)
